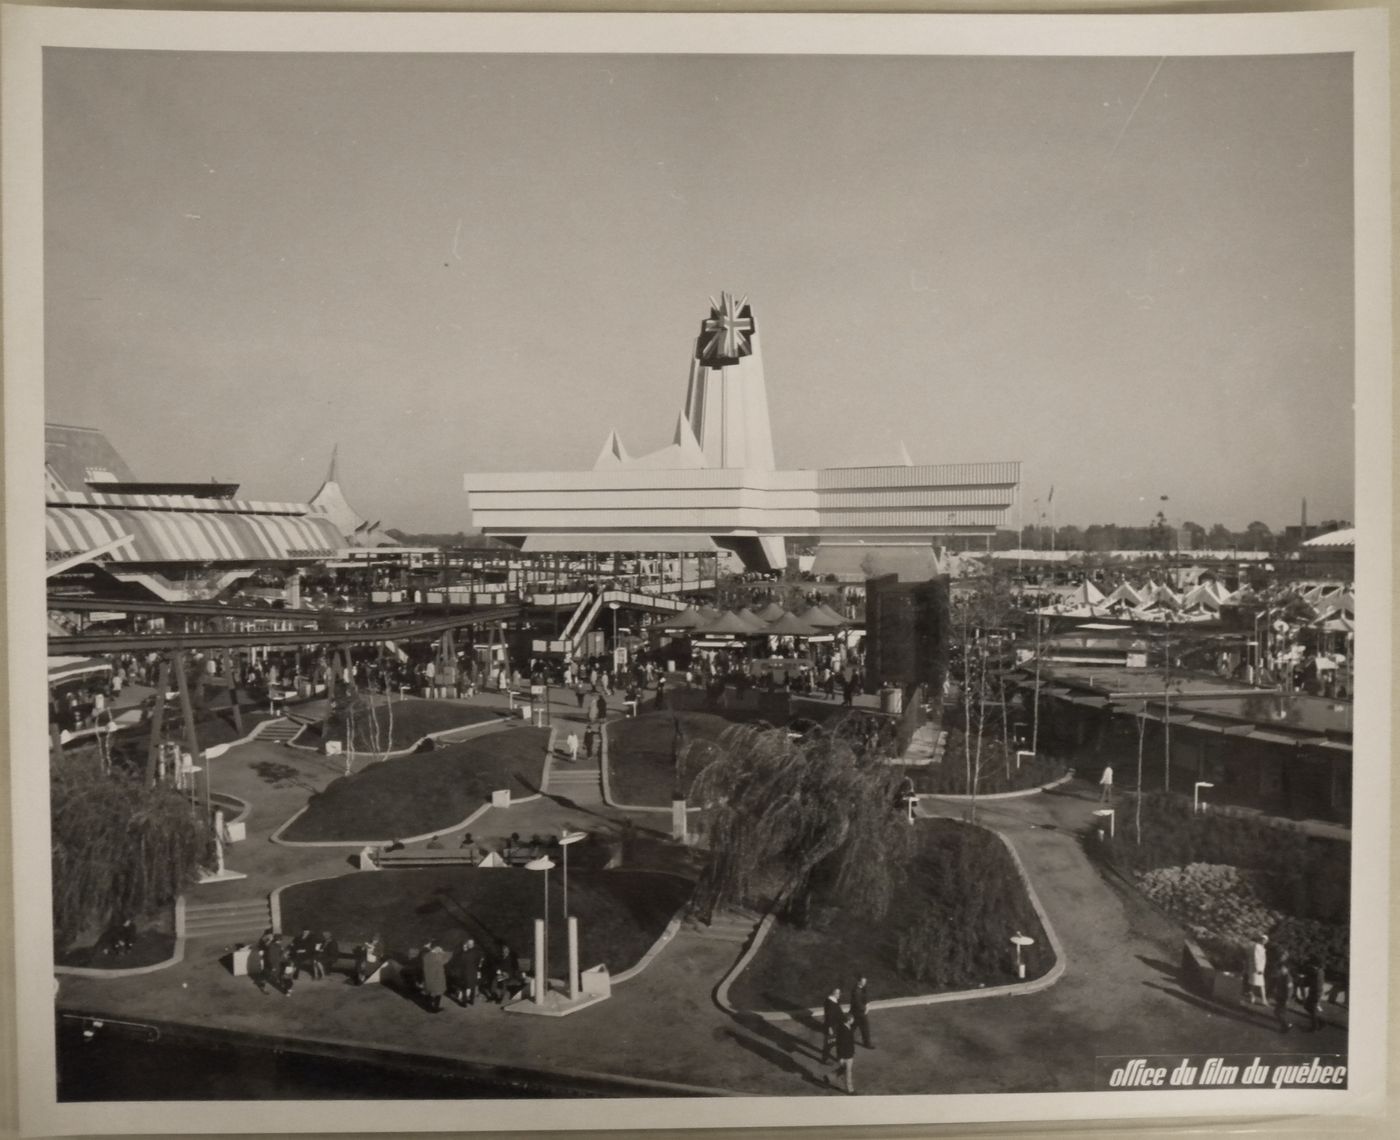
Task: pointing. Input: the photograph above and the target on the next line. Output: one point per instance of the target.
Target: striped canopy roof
(172, 532)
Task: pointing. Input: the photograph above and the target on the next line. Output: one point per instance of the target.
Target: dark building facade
(907, 626)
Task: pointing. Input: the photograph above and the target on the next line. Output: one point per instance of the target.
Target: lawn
(212, 726)
(948, 928)
(640, 766)
(620, 913)
(413, 719)
(423, 792)
(154, 943)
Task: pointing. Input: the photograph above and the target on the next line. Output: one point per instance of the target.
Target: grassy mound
(948, 928)
(641, 768)
(620, 913)
(413, 719)
(424, 792)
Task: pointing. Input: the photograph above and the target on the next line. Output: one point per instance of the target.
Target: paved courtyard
(1119, 993)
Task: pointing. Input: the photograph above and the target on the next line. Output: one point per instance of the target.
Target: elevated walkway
(587, 606)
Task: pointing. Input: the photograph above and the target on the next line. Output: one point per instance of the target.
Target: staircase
(281, 731)
(581, 783)
(241, 921)
(732, 925)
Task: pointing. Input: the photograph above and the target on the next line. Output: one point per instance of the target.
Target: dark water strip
(159, 1061)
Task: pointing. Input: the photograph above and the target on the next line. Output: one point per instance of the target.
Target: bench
(426, 858)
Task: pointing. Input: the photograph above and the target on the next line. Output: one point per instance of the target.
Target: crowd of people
(430, 972)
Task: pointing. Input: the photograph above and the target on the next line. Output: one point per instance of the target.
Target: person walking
(1280, 983)
(1255, 967)
(860, 1010)
(434, 966)
(831, 1017)
(846, 1052)
(1106, 784)
(590, 742)
(1314, 983)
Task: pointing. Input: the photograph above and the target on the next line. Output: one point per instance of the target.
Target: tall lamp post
(566, 840)
(545, 864)
(614, 606)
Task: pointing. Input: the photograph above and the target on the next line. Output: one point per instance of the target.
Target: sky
(1132, 274)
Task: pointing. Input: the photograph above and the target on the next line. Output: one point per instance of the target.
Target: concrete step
(246, 906)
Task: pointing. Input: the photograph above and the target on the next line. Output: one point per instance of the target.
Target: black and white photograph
(696, 570)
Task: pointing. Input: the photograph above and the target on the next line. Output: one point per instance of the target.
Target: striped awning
(192, 536)
(182, 503)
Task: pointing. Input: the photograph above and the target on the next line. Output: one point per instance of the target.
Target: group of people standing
(278, 963)
(1273, 979)
(465, 973)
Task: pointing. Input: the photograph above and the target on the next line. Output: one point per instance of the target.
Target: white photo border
(27, 30)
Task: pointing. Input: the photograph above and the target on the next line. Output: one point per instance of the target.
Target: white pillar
(541, 967)
(573, 959)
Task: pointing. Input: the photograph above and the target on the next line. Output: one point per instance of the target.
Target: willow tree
(120, 846)
(797, 821)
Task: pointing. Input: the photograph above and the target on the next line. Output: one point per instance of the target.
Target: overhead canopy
(261, 533)
(820, 618)
(771, 612)
(1124, 593)
(790, 625)
(66, 668)
(730, 623)
(756, 623)
(689, 618)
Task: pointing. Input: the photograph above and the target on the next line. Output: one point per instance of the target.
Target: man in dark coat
(846, 1051)
(860, 1007)
(275, 966)
(464, 973)
(434, 967)
(304, 953)
(327, 954)
(831, 1018)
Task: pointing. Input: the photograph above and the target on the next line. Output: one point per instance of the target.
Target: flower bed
(1225, 908)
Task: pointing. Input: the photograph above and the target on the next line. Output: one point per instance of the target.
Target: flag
(1051, 496)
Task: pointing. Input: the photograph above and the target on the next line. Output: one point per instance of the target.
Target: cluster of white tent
(1332, 603)
(1152, 601)
(772, 621)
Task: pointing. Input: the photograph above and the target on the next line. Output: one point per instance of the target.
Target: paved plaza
(1119, 990)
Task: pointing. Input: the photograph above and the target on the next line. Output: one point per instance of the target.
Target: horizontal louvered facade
(911, 500)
